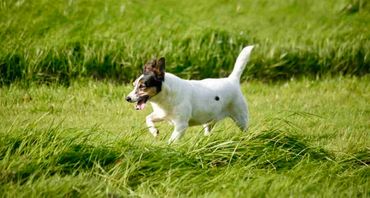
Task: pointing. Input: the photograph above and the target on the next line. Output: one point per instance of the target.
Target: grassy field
(62, 40)
(66, 131)
(307, 139)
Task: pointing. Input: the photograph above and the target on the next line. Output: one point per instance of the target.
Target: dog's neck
(168, 96)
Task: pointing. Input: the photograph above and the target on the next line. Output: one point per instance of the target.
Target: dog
(187, 103)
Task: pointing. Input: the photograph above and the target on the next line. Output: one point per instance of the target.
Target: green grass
(65, 130)
(307, 139)
(58, 41)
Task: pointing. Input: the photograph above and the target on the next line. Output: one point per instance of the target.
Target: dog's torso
(197, 101)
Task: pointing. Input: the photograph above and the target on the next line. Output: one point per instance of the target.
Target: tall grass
(62, 40)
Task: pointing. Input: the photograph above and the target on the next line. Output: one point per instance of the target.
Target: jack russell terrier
(190, 102)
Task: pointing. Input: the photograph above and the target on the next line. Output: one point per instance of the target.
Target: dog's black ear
(161, 63)
(160, 68)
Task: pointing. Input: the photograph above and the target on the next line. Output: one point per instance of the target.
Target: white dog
(190, 102)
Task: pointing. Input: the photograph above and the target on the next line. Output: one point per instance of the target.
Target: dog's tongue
(140, 105)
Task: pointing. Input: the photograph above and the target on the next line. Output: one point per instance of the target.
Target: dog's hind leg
(239, 113)
(150, 119)
(208, 128)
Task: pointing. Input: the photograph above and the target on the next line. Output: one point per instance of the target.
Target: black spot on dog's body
(217, 98)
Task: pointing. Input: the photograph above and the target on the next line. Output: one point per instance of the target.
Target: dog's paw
(154, 131)
(207, 133)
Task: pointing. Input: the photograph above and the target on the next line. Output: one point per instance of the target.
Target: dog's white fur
(194, 102)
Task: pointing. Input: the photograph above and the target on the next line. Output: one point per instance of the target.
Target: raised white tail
(240, 63)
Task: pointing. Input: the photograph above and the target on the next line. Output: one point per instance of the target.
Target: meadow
(66, 67)
(307, 138)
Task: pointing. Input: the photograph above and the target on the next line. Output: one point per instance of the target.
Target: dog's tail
(240, 63)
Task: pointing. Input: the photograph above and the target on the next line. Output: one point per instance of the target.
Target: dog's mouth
(140, 105)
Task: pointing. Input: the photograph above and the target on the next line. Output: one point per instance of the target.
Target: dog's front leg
(150, 119)
(180, 127)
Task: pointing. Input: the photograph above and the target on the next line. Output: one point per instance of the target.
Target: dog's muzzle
(140, 101)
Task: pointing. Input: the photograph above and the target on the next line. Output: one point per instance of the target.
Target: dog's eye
(142, 86)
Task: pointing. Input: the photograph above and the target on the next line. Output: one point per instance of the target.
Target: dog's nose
(128, 99)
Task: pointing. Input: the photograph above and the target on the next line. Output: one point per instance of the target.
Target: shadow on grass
(81, 156)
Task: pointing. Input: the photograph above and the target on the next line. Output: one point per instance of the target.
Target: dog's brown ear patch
(157, 67)
(149, 66)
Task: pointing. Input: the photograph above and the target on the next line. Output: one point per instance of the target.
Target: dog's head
(148, 84)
